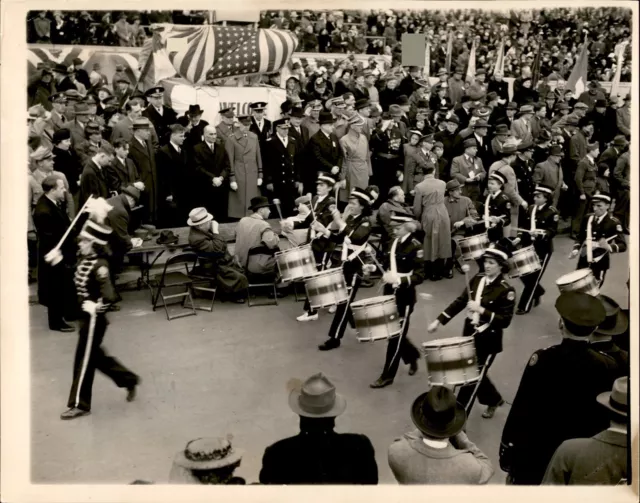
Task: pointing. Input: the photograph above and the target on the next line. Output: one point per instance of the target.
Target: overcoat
(245, 161)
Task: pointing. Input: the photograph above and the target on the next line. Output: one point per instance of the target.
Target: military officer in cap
(225, 128)
(259, 125)
(542, 225)
(404, 271)
(490, 302)
(601, 234)
(160, 115)
(96, 293)
(281, 174)
(556, 399)
(59, 104)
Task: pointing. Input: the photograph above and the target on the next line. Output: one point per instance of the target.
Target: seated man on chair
(215, 259)
(254, 231)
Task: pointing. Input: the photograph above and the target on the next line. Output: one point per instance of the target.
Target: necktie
(589, 240)
(486, 211)
(475, 319)
(533, 218)
(211, 147)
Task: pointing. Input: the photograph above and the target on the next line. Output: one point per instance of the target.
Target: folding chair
(203, 283)
(260, 281)
(174, 279)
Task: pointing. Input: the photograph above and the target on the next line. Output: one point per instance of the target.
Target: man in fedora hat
(324, 152)
(521, 128)
(215, 259)
(124, 128)
(615, 325)
(386, 147)
(544, 414)
(209, 461)
(245, 160)
(160, 115)
(319, 455)
(254, 231)
(469, 170)
(81, 116)
(438, 451)
(86, 149)
(462, 215)
(603, 458)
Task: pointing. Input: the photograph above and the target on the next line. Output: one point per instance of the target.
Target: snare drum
(524, 261)
(473, 247)
(296, 263)
(326, 288)
(376, 318)
(451, 361)
(581, 280)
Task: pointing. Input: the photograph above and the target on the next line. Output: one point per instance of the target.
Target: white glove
(88, 306)
(169, 199)
(54, 257)
(335, 170)
(136, 242)
(139, 185)
(217, 181)
(303, 210)
(259, 182)
(390, 278)
(433, 326)
(215, 227)
(573, 254)
(516, 241)
(233, 186)
(458, 224)
(524, 204)
(400, 177)
(300, 187)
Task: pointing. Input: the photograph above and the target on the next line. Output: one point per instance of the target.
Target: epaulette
(553, 208)
(416, 242)
(614, 219)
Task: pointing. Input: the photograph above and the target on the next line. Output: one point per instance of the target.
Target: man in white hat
(209, 461)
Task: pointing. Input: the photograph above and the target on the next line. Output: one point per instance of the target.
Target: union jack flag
(199, 53)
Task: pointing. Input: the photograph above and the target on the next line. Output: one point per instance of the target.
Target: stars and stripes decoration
(200, 53)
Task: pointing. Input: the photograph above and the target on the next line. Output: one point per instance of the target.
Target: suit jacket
(586, 176)
(173, 174)
(57, 120)
(67, 162)
(162, 122)
(266, 132)
(208, 164)
(121, 175)
(599, 460)
(324, 153)
(531, 435)
(550, 174)
(498, 299)
(145, 160)
(92, 182)
(118, 219)
(415, 165)
(522, 130)
(308, 458)
(461, 168)
(577, 147)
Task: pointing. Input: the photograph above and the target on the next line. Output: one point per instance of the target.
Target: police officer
(601, 234)
(351, 236)
(404, 270)
(281, 172)
(542, 222)
(490, 302)
(95, 294)
(556, 399)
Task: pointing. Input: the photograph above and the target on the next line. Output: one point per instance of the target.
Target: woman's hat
(208, 454)
(259, 202)
(167, 238)
(96, 233)
(616, 322)
(437, 414)
(617, 400)
(317, 397)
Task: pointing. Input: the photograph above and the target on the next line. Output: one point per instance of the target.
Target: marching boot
(329, 344)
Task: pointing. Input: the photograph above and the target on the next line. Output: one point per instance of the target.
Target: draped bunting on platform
(199, 53)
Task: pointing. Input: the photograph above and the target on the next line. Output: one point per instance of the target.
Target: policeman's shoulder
(553, 209)
(615, 220)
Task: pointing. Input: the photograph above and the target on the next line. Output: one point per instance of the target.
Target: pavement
(226, 372)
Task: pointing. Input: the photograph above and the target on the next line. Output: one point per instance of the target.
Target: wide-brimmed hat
(617, 400)
(167, 237)
(143, 234)
(620, 141)
(317, 397)
(581, 309)
(556, 150)
(453, 185)
(151, 229)
(616, 321)
(437, 414)
(258, 202)
(132, 191)
(208, 454)
(326, 118)
(194, 110)
(199, 216)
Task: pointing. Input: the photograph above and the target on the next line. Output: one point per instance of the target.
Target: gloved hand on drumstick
(319, 228)
(516, 241)
(458, 224)
(390, 278)
(573, 254)
(475, 307)
(433, 326)
(603, 243)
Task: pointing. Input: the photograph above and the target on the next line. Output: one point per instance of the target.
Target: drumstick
(313, 213)
(276, 202)
(54, 252)
(465, 268)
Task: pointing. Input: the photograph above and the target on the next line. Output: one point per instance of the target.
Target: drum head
(382, 299)
(573, 276)
(451, 341)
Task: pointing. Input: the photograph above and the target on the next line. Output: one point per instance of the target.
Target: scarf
(475, 319)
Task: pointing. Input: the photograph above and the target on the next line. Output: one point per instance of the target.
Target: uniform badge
(420, 253)
(103, 272)
(533, 360)
(511, 295)
(556, 217)
(619, 228)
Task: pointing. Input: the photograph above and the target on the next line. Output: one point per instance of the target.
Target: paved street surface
(226, 372)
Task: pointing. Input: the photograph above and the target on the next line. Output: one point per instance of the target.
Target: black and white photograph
(303, 245)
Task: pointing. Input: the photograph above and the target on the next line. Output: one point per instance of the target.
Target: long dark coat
(121, 175)
(92, 182)
(145, 160)
(162, 122)
(280, 170)
(209, 165)
(174, 178)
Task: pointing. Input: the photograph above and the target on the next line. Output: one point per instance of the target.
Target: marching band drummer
(353, 229)
(322, 204)
(405, 270)
(601, 234)
(490, 302)
(542, 222)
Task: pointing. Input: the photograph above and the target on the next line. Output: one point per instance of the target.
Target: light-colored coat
(522, 130)
(246, 167)
(550, 174)
(251, 232)
(429, 208)
(511, 190)
(356, 166)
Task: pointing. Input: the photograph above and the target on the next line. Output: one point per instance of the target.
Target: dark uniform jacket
(279, 165)
(524, 176)
(322, 212)
(263, 135)
(93, 283)
(118, 219)
(619, 356)
(92, 182)
(173, 175)
(67, 163)
(609, 227)
(546, 219)
(498, 299)
(209, 165)
(145, 160)
(324, 458)
(499, 206)
(357, 230)
(556, 401)
(162, 122)
(121, 175)
(409, 260)
(324, 153)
